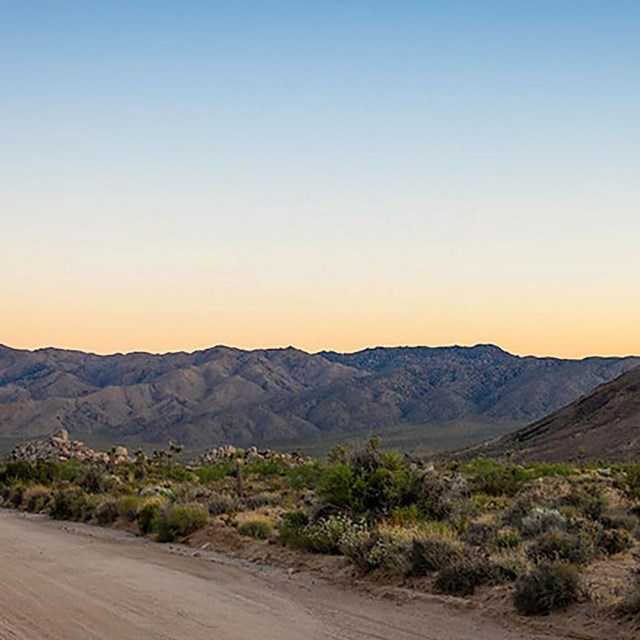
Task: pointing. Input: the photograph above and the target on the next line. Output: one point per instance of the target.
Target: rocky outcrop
(229, 452)
(60, 447)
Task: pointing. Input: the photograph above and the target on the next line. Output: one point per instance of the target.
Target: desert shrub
(576, 548)
(462, 577)
(305, 476)
(440, 497)
(628, 480)
(209, 473)
(513, 566)
(629, 606)
(263, 499)
(508, 539)
(95, 480)
(107, 512)
(325, 536)
(266, 468)
(330, 535)
(128, 507)
(148, 512)
(224, 503)
(70, 503)
(548, 587)
(541, 520)
(388, 548)
(626, 521)
(612, 541)
(494, 478)
(406, 516)
(15, 495)
(481, 534)
(258, 528)
(368, 483)
(291, 527)
(588, 499)
(356, 544)
(36, 499)
(517, 511)
(40, 472)
(179, 521)
(72, 471)
(433, 554)
(550, 469)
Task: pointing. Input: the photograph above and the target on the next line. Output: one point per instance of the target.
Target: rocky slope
(222, 395)
(603, 424)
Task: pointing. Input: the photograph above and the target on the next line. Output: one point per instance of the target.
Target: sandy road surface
(72, 582)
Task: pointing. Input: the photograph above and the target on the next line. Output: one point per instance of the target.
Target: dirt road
(74, 582)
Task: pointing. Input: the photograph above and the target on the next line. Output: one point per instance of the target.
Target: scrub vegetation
(533, 531)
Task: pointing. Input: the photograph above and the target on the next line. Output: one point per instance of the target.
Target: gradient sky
(175, 175)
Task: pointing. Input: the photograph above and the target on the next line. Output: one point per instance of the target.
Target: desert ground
(77, 582)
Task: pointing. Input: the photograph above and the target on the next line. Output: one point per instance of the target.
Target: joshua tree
(174, 451)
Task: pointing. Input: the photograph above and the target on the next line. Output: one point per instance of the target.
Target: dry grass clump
(258, 528)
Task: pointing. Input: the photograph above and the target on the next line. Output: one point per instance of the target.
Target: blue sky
(361, 172)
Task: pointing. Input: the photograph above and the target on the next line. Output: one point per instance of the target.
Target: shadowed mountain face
(603, 424)
(230, 395)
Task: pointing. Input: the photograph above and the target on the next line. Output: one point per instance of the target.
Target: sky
(328, 175)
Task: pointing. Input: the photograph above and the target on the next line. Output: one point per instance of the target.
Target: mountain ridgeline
(224, 394)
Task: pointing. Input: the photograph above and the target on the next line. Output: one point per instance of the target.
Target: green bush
(496, 479)
(71, 503)
(39, 472)
(209, 473)
(149, 513)
(258, 528)
(305, 476)
(546, 588)
(368, 483)
(291, 528)
(179, 521)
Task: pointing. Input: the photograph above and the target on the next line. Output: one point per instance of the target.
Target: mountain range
(225, 394)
